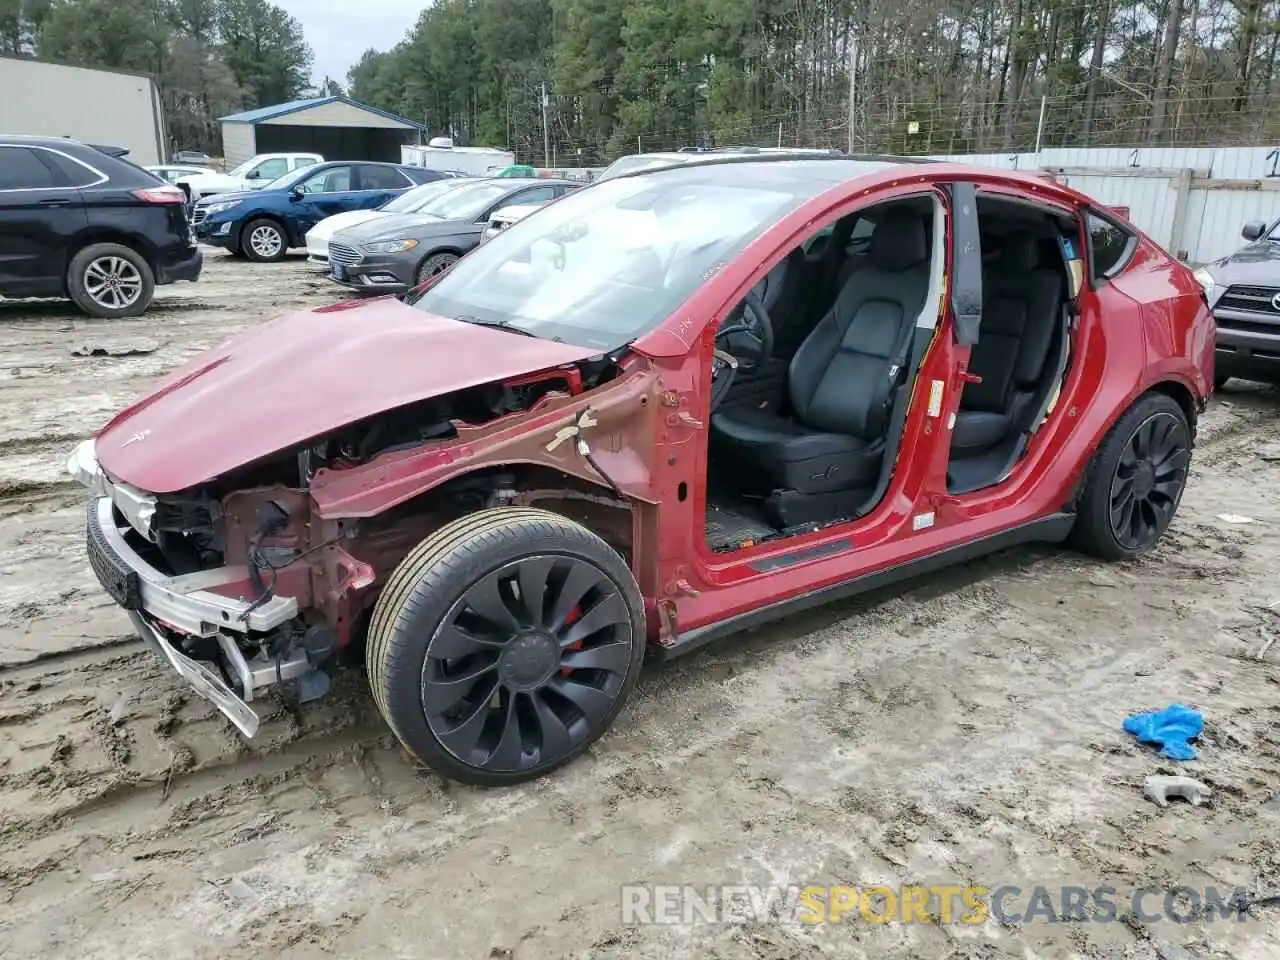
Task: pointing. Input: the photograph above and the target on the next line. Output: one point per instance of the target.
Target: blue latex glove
(1171, 727)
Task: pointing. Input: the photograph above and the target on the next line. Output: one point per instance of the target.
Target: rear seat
(1022, 304)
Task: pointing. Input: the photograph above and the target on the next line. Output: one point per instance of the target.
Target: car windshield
(640, 162)
(469, 201)
(411, 201)
(1274, 233)
(606, 264)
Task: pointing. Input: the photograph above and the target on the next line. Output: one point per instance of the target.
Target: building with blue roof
(337, 128)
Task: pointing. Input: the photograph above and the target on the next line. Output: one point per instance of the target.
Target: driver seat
(842, 379)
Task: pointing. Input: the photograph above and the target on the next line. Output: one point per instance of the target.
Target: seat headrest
(899, 242)
(1019, 252)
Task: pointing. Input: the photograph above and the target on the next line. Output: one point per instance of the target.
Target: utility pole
(546, 131)
(853, 86)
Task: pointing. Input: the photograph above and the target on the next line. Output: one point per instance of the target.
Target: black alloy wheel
(504, 644)
(528, 664)
(1135, 481)
(1148, 481)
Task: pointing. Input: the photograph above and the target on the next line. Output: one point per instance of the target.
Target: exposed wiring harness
(258, 563)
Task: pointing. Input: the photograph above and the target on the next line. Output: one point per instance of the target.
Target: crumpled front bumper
(185, 603)
(166, 609)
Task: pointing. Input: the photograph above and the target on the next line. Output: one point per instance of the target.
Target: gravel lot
(965, 729)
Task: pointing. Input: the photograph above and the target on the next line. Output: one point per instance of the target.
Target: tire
(1120, 474)
(110, 280)
(510, 696)
(256, 240)
(430, 266)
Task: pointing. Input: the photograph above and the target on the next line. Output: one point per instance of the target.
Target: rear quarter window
(22, 168)
(1111, 246)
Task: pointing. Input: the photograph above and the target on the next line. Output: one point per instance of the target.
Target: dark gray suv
(1244, 291)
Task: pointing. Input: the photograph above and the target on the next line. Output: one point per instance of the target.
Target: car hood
(213, 181)
(1257, 264)
(277, 386)
(230, 195)
(341, 221)
(396, 225)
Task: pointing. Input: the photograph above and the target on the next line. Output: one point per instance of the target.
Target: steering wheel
(744, 343)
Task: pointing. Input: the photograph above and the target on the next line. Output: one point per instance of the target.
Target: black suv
(77, 222)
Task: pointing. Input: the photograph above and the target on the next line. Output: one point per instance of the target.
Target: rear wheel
(435, 264)
(1135, 481)
(110, 280)
(263, 241)
(505, 644)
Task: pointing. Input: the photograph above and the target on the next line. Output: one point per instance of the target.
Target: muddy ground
(965, 729)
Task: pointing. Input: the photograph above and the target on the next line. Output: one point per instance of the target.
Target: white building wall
(237, 143)
(94, 106)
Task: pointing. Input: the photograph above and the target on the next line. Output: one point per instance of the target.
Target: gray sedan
(396, 253)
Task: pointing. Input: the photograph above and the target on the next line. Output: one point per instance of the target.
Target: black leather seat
(841, 380)
(771, 286)
(1022, 306)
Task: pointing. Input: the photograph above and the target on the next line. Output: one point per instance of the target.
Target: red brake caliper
(573, 616)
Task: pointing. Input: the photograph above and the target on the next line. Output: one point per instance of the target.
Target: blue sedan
(264, 224)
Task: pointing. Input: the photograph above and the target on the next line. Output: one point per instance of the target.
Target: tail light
(165, 194)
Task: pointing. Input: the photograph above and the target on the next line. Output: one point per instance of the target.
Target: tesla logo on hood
(142, 435)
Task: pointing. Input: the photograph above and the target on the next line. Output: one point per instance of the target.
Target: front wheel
(505, 644)
(1135, 480)
(434, 265)
(263, 241)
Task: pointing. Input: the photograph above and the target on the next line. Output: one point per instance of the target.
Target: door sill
(1051, 529)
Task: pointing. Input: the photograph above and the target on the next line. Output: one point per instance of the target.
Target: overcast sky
(340, 30)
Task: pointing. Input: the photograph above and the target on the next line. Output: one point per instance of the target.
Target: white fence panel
(1149, 199)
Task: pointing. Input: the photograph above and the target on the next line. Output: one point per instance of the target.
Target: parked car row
(82, 221)
(392, 253)
(264, 224)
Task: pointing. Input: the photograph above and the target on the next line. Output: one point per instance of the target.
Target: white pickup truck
(254, 173)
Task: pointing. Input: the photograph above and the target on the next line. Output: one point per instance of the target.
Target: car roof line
(713, 160)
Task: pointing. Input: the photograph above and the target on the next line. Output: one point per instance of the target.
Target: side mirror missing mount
(966, 274)
(1253, 230)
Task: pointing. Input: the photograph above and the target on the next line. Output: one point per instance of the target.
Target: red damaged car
(670, 406)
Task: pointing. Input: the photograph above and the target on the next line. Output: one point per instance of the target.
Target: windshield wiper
(504, 325)
(500, 324)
